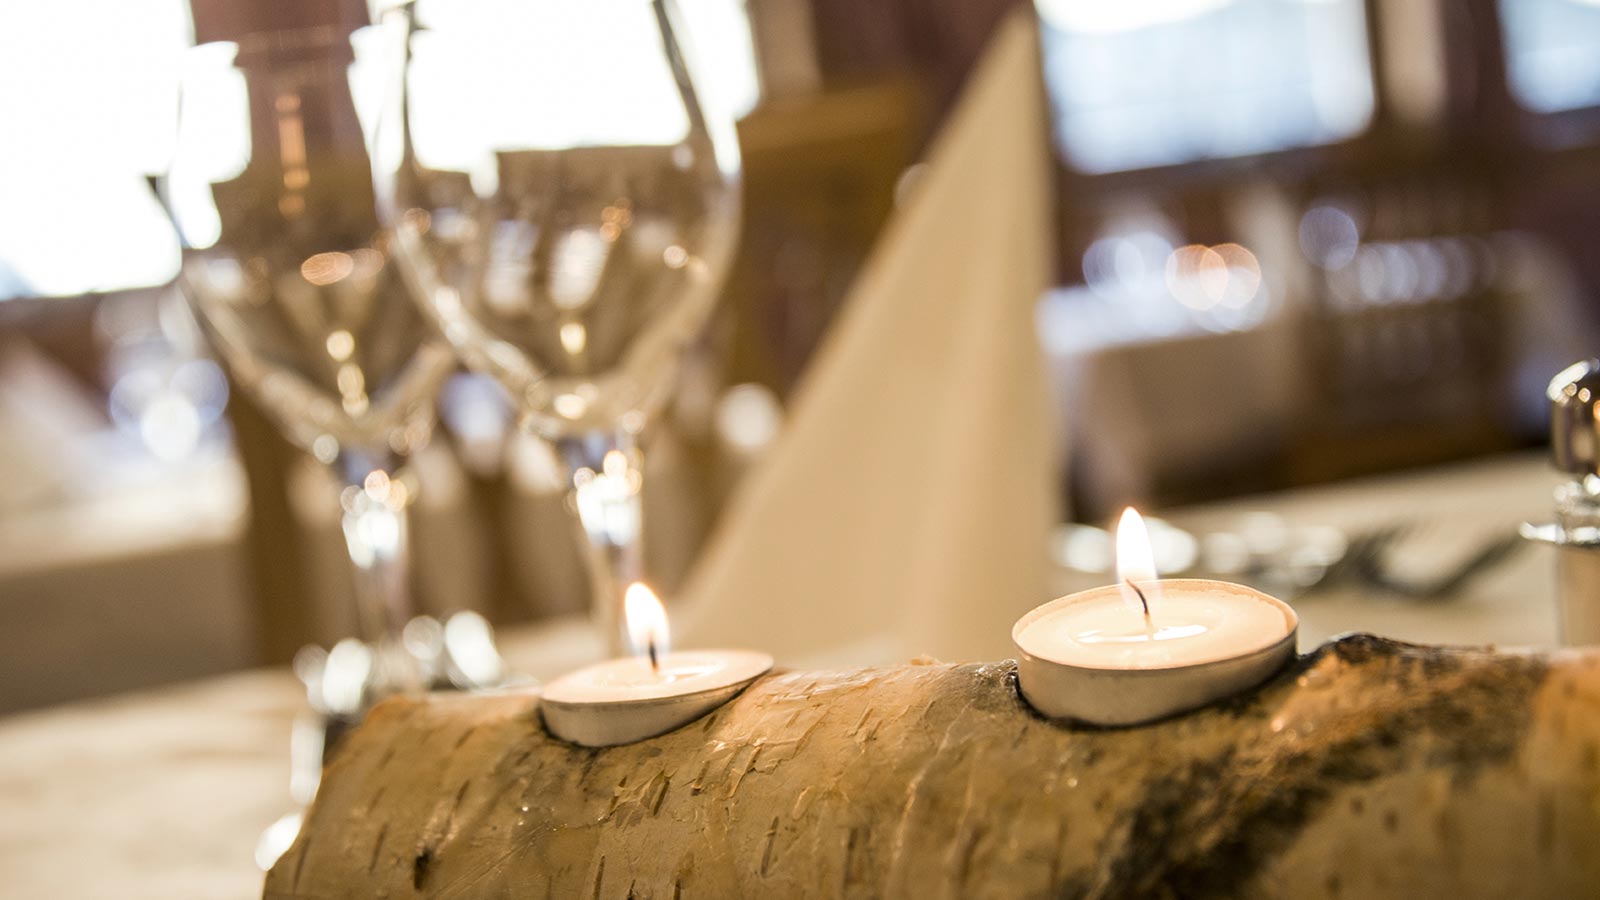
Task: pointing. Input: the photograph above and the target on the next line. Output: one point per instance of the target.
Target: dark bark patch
(420, 868)
(1207, 827)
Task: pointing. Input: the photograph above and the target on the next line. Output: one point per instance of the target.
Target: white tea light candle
(1192, 621)
(620, 701)
(1143, 649)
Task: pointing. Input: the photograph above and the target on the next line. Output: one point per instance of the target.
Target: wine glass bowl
(581, 281)
(289, 268)
(285, 259)
(321, 344)
(565, 206)
(570, 237)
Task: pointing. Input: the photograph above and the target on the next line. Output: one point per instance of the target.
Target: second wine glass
(289, 269)
(566, 207)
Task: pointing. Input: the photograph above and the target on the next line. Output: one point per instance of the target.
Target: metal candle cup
(1106, 693)
(620, 701)
(623, 700)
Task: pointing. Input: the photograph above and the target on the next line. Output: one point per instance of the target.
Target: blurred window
(565, 92)
(1553, 53)
(88, 107)
(1142, 83)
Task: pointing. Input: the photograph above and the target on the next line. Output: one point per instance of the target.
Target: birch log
(1367, 769)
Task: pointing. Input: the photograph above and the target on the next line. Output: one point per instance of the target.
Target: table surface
(164, 793)
(1447, 509)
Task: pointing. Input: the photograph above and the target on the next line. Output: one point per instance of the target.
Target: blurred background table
(1449, 508)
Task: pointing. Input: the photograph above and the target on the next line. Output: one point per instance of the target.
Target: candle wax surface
(637, 671)
(632, 678)
(1191, 622)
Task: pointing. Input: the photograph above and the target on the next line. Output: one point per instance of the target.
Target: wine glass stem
(604, 491)
(375, 535)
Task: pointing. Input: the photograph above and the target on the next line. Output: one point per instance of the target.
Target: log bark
(1367, 769)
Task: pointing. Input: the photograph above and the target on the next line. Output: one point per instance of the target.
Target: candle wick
(655, 662)
(1143, 601)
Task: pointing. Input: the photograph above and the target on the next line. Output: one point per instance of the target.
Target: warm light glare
(574, 337)
(647, 620)
(377, 485)
(277, 839)
(325, 448)
(748, 417)
(615, 464)
(326, 268)
(571, 406)
(345, 674)
(576, 263)
(1240, 277)
(340, 344)
(353, 386)
(470, 641)
(607, 501)
(1135, 560)
(170, 426)
(1204, 278)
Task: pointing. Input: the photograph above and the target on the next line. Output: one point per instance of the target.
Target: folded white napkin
(906, 508)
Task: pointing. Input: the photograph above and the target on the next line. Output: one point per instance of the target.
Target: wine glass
(289, 270)
(565, 206)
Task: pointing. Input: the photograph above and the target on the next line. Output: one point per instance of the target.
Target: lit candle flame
(1136, 563)
(647, 623)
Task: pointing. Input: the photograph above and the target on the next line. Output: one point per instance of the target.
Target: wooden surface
(1369, 769)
